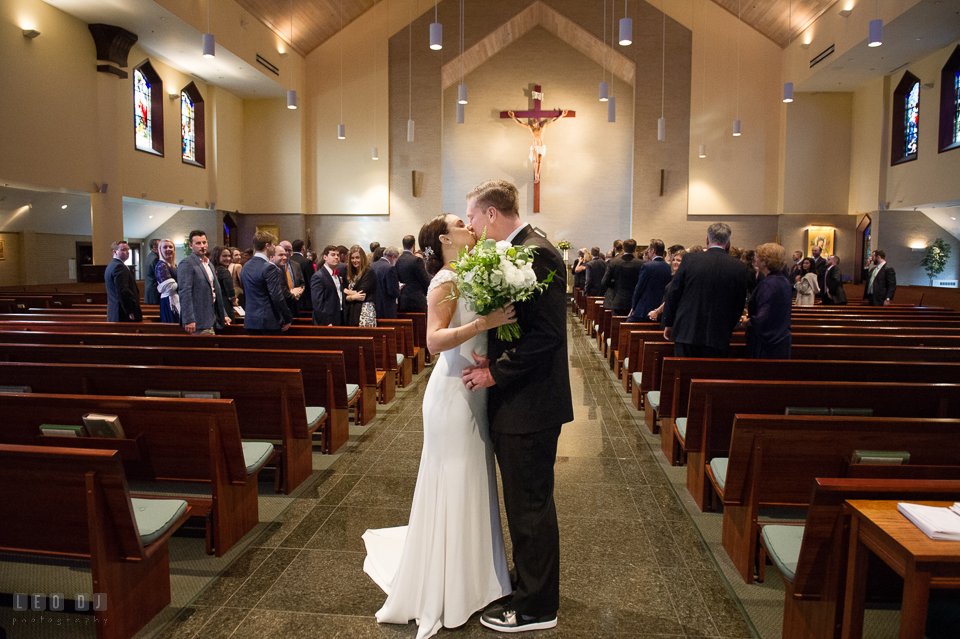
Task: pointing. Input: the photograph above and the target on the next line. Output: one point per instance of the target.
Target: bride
(449, 562)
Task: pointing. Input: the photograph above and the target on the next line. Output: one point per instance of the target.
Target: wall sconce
(30, 33)
(804, 45)
(173, 96)
(846, 12)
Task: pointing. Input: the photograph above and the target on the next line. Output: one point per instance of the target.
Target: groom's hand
(478, 376)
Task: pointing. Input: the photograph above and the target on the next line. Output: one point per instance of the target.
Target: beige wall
(905, 230)
(11, 268)
(226, 135)
(818, 143)
(271, 158)
(46, 257)
(866, 147)
(178, 227)
(792, 232)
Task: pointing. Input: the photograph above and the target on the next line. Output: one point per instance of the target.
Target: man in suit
(150, 293)
(621, 276)
(820, 263)
(342, 266)
(609, 293)
(595, 269)
(201, 300)
(706, 298)
(326, 287)
(388, 283)
(833, 280)
(881, 281)
(654, 276)
(306, 268)
(524, 427)
(267, 312)
(123, 296)
(291, 276)
(413, 275)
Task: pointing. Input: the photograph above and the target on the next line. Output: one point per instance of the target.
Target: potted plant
(935, 258)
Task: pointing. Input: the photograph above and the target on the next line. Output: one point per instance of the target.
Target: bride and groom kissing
(486, 399)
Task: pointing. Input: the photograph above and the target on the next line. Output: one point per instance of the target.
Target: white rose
(529, 276)
(513, 276)
(503, 246)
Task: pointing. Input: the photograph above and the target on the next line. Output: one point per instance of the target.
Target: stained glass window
(911, 114)
(188, 131)
(142, 111)
(956, 108)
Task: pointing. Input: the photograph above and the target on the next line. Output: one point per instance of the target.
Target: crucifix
(536, 127)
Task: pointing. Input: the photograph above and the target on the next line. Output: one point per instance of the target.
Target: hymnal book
(107, 426)
(15, 389)
(63, 430)
(937, 523)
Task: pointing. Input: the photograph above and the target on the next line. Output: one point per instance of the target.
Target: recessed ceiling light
(150, 217)
(953, 218)
(64, 206)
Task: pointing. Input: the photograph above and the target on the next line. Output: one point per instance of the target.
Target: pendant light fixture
(341, 128)
(436, 29)
(291, 94)
(209, 44)
(736, 123)
(462, 87)
(788, 86)
(604, 86)
(662, 122)
(374, 154)
(703, 80)
(410, 125)
(876, 28)
(626, 28)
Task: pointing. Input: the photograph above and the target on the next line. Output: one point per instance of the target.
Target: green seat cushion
(155, 516)
(314, 415)
(783, 546)
(608, 342)
(352, 390)
(806, 410)
(162, 393)
(852, 412)
(681, 423)
(626, 362)
(653, 400)
(15, 389)
(719, 467)
(399, 359)
(256, 454)
(636, 379)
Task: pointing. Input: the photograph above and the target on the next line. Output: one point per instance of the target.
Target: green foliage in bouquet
(564, 245)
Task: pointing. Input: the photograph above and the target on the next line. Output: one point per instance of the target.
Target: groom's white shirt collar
(516, 232)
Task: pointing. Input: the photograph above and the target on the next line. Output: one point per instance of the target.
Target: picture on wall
(269, 228)
(1, 251)
(821, 236)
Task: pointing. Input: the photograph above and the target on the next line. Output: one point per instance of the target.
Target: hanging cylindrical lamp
(409, 130)
(461, 94)
(876, 33)
(209, 46)
(461, 113)
(341, 131)
(661, 129)
(626, 28)
(703, 150)
(611, 109)
(604, 91)
(788, 91)
(436, 36)
(375, 154)
(736, 128)
(291, 99)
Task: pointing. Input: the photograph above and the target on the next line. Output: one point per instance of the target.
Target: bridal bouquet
(495, 274)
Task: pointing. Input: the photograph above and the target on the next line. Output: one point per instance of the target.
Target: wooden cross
(536, 128)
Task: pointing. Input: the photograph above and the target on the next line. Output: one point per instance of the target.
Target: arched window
(906, 119)
(192, 129)
(148, 109)
(950, 103)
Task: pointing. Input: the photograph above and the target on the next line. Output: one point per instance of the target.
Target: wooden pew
(405, 349)
(713, 404)
(604, 319)
(75, 503)
(358, 367)
(270, 402)
(419, 339)
(161, 446)
(679, 372)
(774, 460)
(324, 382)
(592, 310)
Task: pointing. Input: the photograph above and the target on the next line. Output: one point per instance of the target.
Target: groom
(528, 400)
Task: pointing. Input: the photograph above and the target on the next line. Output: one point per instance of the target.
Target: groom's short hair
(499, 194)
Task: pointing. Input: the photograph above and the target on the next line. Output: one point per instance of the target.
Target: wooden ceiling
(315, 21)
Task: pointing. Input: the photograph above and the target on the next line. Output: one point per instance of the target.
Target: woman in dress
(235, 270)
(675, 259)
(166, 274)
(361, 291)
(806, 285)
(222, 259)
(768, 312)
(449, 562)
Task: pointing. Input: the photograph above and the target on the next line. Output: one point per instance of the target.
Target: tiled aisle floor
(631, 562)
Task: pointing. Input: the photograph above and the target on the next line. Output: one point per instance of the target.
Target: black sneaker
(507, 620)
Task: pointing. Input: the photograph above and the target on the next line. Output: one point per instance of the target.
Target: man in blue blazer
(654, 277)
(326, 290)
(267, 312)
(123, 296)
(201, 300)
(388, 284)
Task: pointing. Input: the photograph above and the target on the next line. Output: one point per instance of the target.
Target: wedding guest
(768, 312)
(150, 293)
(222, 259)
(675, 259)
(806, 284)
(235, 269)
(166, 277)
(361, 291)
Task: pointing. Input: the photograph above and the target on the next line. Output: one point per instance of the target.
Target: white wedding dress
(449, 562)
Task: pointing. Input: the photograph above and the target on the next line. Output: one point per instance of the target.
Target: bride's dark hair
(430, 239)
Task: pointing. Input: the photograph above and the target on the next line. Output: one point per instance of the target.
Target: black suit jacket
(298, 280)
(706, 298)
(821, 265)
(594, 276)
(648, 294)
(621, 276)
(413, 275)
(884, 286)
(833, 280)
(532, 391)
(327, 302)
(150, 293)
(123, 296)
(388, 288)
(307, 270)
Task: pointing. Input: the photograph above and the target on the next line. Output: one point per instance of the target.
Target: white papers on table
(937, 523)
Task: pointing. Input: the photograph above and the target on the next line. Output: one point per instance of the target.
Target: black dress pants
(699, 350)
(526, 468)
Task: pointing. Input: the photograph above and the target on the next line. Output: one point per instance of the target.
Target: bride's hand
(499, 317)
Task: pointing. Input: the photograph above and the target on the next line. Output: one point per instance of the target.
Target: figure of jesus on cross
(536, 127)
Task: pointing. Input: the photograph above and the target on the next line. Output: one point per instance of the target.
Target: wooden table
(923, 563)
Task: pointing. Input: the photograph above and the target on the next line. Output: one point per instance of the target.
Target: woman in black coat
(361, 290)
(769, 308)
